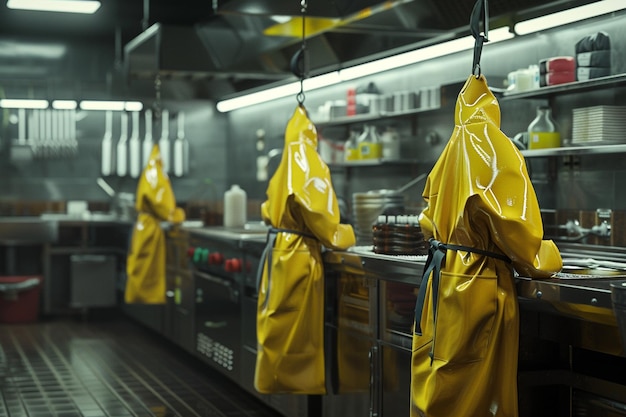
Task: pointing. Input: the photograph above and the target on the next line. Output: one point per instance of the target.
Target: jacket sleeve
(510, 210)
(158, 197)
(320, 210)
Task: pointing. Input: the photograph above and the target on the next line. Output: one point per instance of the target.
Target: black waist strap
(434, 262)
(267, 254)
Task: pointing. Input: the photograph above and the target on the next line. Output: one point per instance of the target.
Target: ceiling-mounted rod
(145, 22)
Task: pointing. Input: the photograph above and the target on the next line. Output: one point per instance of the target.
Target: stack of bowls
(366, 208)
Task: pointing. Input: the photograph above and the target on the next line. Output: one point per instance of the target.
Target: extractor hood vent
(191, 52)
(317, 8)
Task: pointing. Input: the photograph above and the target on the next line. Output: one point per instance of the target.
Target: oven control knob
(205, 256)
(216, 258)
(197, 255)
(232, 265)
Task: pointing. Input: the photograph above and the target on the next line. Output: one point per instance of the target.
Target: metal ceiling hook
(480, 11)
(298, 61)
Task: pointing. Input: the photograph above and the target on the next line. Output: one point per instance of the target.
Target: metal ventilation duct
(234, 49)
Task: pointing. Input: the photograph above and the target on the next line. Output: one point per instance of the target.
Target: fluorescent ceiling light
(569, 16)
(422, 54)
(286, 90)
(66, 6)
(362, 70)
(258, 97)
(133, 106)
(19, 49)
(102, 105)
(8, 103)
(111, 105)
(64, 104)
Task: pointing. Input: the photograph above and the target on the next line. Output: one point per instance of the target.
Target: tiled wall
(224, 146)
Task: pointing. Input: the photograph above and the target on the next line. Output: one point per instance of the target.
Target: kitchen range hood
(191, 52)
(244, 47)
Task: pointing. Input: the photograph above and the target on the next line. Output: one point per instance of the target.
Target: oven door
(218, 323)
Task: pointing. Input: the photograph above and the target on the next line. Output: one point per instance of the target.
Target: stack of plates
(368, 206)
(599, 124)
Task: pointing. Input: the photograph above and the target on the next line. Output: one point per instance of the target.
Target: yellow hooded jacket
(303, 213)
(145, 263)
(479, 195)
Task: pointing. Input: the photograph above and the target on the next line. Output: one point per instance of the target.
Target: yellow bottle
(351, 147)
(542, 131)
(370, 146)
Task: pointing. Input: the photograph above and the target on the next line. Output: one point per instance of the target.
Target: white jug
(235, 207)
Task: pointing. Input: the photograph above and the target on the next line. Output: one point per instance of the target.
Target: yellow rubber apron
(481, 204)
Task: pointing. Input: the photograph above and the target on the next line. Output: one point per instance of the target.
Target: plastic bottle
(351, 147)
(235, 207)
(370, 146)
(391, 144)
(542, 131)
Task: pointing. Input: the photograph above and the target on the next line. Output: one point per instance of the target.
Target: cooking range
(219, 271)
(224, 266)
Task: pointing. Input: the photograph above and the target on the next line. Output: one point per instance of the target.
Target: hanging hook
(480, 10)
(299, 61)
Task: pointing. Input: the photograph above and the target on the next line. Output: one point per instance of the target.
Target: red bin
(19, 298)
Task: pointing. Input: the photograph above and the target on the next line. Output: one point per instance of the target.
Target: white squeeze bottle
(147, 141)
(235, 207)
(122, 148)
(164, 142)
(107, 145)
(134, 147)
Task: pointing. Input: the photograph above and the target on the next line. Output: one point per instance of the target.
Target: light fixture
(66, 6)
(111, 105)
(64, 104)
(361, 70)
(273, 93)
(10, 103)
(569, 16)
(133, 106)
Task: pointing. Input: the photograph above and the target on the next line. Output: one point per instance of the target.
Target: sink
(586, 268)
(86, 216)
(25, 230)
(578, 272)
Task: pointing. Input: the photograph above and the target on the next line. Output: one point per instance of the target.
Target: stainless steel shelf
(362, 118)
(575, 87)
(576, 150)
(372, 162)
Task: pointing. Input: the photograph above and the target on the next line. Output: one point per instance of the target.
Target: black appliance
(217, 270)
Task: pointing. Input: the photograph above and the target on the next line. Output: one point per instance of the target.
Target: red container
(19, 298)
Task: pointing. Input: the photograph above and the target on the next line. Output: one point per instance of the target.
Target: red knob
(190, 251)
(232, 265)
(216, 258)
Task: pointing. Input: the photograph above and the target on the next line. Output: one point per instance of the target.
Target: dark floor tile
(68, 368)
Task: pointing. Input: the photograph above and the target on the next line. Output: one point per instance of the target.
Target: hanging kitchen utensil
(181, 148)
(107, 144)
(148, 141)
(480, 10)
(122, 147)
(134, 146)
(164, 142)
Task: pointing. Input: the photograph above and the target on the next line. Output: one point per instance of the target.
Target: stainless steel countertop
(585, 294)
(27, 230)
(240, 234)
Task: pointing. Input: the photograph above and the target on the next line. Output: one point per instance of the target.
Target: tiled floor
(109, 368)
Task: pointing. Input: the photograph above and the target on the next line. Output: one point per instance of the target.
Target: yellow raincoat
(145, 264)
(303, 213)
(484, 216)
